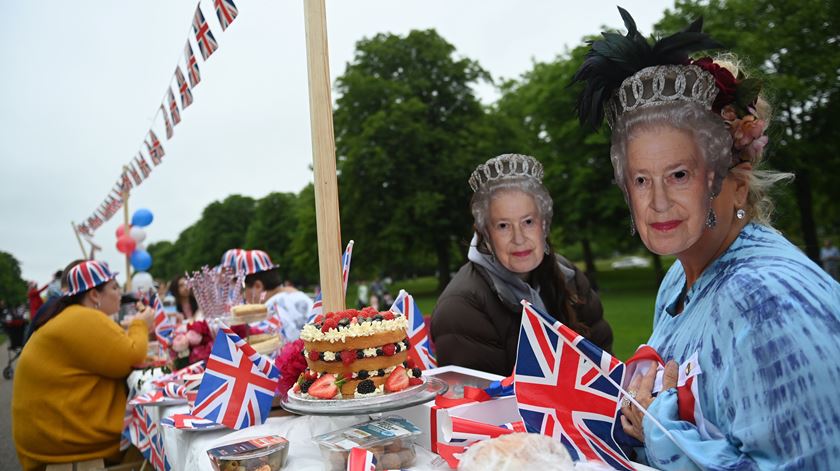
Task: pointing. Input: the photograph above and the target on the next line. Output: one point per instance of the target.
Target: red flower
(291, 364)
(200, 352)
(724, 81)
(200, 327)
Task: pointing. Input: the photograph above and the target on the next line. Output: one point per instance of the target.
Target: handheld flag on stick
(318, 306)
(561, 391)
(418, 331)
(238, 384)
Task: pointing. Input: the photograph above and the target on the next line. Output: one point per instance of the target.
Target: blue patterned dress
(765, 321)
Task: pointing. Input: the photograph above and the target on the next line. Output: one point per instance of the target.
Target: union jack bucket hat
(254, 261)
(230, 259)
(87, 275)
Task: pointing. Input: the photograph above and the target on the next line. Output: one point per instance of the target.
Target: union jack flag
(183, 88)
(238, 384)
(226, 11)
(203, 36)
(173, 107)
(124, 183)
(345, 264)
(166, 122)
(156, 151)
(361, 460)
(134, 173)
(418, 331)
(192, 65)
(317, 308)
(188, 422)
(459, 429)
(562, 393)
(144, 167)
(164, 327)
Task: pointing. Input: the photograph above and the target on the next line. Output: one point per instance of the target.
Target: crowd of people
(687, 148)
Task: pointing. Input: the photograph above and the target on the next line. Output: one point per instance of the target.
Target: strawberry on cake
(353, 354)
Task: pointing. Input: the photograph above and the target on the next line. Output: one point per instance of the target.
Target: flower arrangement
(191, 343)
(736, 101)
(291, 364)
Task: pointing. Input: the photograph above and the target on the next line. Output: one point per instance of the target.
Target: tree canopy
(12, 286)
(404, 125)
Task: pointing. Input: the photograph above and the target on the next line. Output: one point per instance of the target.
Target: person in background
(476, 320)
(185, 302)
(69, 393)
(34, 295)
(362, 295)
(742, 306)
(263, 284)
(830, 258)
(54, 289)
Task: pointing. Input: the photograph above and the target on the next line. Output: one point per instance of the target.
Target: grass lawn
(627, 295)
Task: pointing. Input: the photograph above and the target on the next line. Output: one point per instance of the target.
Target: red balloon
(125, 244)
(121, 230)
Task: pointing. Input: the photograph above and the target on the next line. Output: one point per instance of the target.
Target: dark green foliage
(12, 286)
(405, 124)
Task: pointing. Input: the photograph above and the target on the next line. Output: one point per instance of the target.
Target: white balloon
(142, 282)
(140, 246)
(137, 234)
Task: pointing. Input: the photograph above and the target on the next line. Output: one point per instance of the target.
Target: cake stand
(411, 396)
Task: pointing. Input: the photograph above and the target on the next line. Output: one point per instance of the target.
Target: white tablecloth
(188, 450)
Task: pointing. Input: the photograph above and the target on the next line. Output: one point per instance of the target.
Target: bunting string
(138, 170)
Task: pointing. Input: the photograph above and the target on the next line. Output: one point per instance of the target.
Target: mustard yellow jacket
(69, 393)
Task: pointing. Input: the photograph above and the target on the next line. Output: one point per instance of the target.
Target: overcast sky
(82, 82)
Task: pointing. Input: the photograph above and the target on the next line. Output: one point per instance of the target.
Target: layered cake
(351, 354)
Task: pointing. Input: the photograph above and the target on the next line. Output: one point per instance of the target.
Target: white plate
(411, 396)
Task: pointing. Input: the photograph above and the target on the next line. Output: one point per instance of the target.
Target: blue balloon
(142, 217)
(141, 260)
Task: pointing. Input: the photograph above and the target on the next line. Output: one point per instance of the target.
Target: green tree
(222, 226)
(404, 121)
(795, 47)
(588, 208)
(165, 262)
(12, 286)
(273, 227)
(304, 241)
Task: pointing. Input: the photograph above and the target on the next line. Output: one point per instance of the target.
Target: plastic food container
(256, 454)
(390, 439)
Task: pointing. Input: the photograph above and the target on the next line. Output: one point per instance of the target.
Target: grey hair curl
(480, 203)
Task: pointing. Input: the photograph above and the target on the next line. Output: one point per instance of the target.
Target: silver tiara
(661, 84)
(506, 166)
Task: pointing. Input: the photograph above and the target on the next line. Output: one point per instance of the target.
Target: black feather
(615, 57)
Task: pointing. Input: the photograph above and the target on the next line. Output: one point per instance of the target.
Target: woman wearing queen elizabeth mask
(477, 317)
(762, 319)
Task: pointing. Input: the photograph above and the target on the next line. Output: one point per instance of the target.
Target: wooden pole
(323, 156)
(127, 286)
(79, 240)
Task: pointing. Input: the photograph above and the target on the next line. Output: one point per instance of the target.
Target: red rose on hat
(724, 81)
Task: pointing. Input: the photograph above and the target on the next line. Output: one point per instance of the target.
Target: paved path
(8, 456)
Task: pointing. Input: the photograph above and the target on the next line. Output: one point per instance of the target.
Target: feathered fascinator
(615, 58)
(625, 73)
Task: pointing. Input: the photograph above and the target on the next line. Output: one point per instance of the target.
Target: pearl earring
(740, 214)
